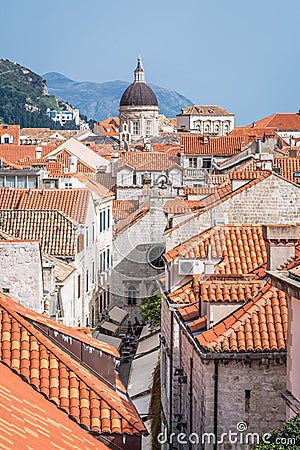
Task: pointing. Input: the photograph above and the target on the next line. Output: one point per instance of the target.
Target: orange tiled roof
(182, 206)
(197, 145)
(280, 121)
(122, 208)
(199, 190)
(51, 228)
(89, 401)
(227, 290)
(258, 326)
(241, 248)
(83, 335)
(15, 153)
(288, 166)
(71, 202)
(251, 134)
(148, 161)
(28, 420)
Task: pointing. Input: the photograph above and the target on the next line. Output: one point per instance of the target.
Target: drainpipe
(191, 400)
(216, 381)
(171, 379)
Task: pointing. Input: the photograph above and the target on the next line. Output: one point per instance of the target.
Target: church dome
(138, 93)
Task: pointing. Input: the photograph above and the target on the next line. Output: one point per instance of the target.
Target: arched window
(217, 128)
(206, 129)
(226, 129)
(131, 295)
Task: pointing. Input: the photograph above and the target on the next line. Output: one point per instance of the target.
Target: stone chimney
(264, 161)
(38, 152)
(114, 164)
(280, 243)
(73, 164)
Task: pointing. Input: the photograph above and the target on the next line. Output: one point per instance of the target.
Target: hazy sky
(241, 55)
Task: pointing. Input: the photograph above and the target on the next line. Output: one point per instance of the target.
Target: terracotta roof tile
(198, 145)
(123, 208)
(241, 248)
(182, 206)
(71, 202)
(28, 420)
(92, 403)
(53, 230)
(258, 326)
(288, 167)
(148, 161)
(280, 121)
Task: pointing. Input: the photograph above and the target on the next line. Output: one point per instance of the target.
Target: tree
(288, 438)
(151, 308)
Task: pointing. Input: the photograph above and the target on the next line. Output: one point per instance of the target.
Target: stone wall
(21, 273)
(271, 201)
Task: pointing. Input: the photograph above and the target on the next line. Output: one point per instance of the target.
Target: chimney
(38, 152)
(280, 243)
(264, 161)
(259, 146)
(73, 164)
(114, 164)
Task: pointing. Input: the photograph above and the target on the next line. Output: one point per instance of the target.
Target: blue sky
(243, 56)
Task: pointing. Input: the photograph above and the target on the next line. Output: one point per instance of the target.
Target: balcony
(194, 173)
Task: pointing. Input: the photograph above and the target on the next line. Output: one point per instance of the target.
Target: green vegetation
(24, 97)
(155, 408)
(288, 438)
(151, 308)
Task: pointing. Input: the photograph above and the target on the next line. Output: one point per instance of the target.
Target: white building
(64, 117)
(205, 120)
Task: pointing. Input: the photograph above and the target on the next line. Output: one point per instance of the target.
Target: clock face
(155, 258)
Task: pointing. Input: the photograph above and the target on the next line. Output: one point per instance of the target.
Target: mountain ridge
(100, 100)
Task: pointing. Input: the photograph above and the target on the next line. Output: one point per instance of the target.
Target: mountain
(24, 97)
(101, 100)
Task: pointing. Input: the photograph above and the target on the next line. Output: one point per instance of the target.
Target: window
(5, 290)
(226, 129)
(80, 243)
(101, 222)
(32, 182)
(104, 220)
(217, 128)
(93, 272)
(21, 182)
(104, 261)
(86, 280)
(108, 257)
(108, 218)
(193, 162)
(78, 286)
(68, 185)
(93, 232)
(101, 263)
(206, 129)
(135, 127)
(1, 181)
(131, 295)
(206, 163)
(86, 238)
(6, 140)
(148, 127)
(10, 181)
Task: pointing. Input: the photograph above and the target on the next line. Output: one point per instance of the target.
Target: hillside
(101, 100)
(24, 97)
